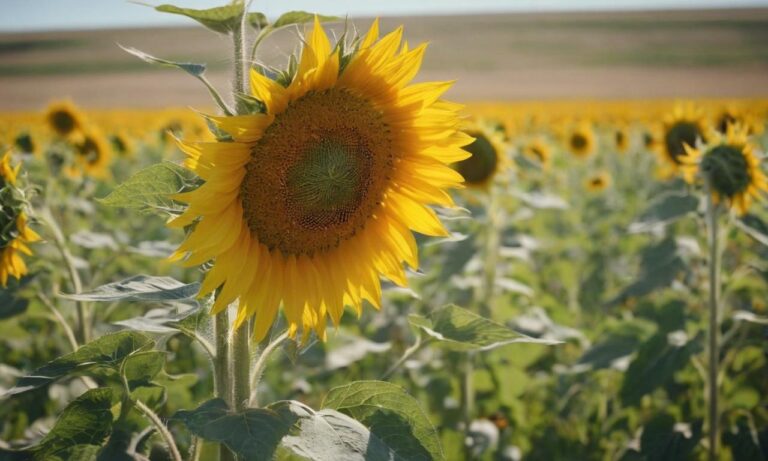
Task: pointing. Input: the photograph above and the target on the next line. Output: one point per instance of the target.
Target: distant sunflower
(64, 118)
(93, 154)
(24, 143)
(580, 140)
(317, 197)
(487, 155)
(733, 116)
(14, 233)
(598, 182)
(684, 126)
(732, 166)
(540, 150)
(621, 139)
(121, 144)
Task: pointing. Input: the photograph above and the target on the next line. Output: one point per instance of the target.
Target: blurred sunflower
(732, 166)
(92, 154)
(733, 116)
(540, 150)
(25, 144)
(598, 182)
(14, 233)
(121, 144)
(317, 197)
(487, 155)
(64, 118)
(685, 125)
(580, 139)
(621, 139)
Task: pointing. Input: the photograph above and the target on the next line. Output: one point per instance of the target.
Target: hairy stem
(221, 369)
(260, 365)
(417, 346)
(59, 318)
(241, 355)
(714, 323)
(162, 429)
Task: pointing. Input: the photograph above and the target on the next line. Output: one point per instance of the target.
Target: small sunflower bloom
(539, 149)
(598, 182)
(686, 125)
(92, 155)
(14, 232)
(580, 139)
(487, 155)
(318, 196)
(621, 139)
(64, 118)
(730, 163)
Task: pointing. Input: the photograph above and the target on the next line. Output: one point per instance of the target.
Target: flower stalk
(714, 321)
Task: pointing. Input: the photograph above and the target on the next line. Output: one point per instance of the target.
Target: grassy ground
(717, 53)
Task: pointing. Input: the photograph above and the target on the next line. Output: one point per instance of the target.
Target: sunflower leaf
(300, 17)
(148, 190)
(140, 288)
(221, 19)
(253, 434)
(754, 227)
(666, 209)
(460, 329)
(107, 351)
(393, 417)
(85, 421)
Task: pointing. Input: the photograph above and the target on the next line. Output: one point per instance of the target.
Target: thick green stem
(239, 83)
(714, 323)
(258, 368)
(491, 253)
(468, 401)
(162, 429)
(241, 361)
(221, 376)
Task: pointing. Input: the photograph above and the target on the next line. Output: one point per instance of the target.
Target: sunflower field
(334, 261)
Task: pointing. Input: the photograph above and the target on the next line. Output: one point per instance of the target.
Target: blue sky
(33, 15)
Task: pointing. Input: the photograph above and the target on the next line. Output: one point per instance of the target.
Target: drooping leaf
(253, 434)
(163, 320)
(460, 329)
(300, 17)
(140, 288)
(222, 19)
(331, 435)
(257, 20)
(107, 351)
(667, 208)
(753, 226)
(391, 415)
(148, 190)
(141, 367)
(657, 360)
(85, 421)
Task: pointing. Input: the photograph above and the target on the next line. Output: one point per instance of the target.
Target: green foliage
(142, 288)
(460, 329)
(300, 17)
(148, 189)
(393, 417)
(108, 351)
(222, 19)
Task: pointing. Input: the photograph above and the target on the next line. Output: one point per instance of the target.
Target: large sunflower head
(14, 232)
(317, 197)
(487, 155)
(730, 164)
(64, 118)
(684, 126)
(580, 139)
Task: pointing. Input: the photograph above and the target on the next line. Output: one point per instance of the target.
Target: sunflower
(621, 139)
(580, 139)
(24, 143)
(733, 116)
(732, 166)
(317, 197)
(64, 118)
(92, 155)
(487, 154)
(685, 125)
(14, 233)
(598, 182)
(540, 150)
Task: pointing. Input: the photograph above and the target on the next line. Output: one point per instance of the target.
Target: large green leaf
(10, 304)
(148, 189)
(222, 19)
(658, 359)
(753, 226)
(253, 434)
(107, 351)
(667, 208)
(300, 17)
(664, 440)
(85, 421)
(460, 329)
(141, 367)
(331, 435)
(144, 288)
(392, 416)
(621, 342)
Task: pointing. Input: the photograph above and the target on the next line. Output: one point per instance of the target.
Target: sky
(36, 15)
